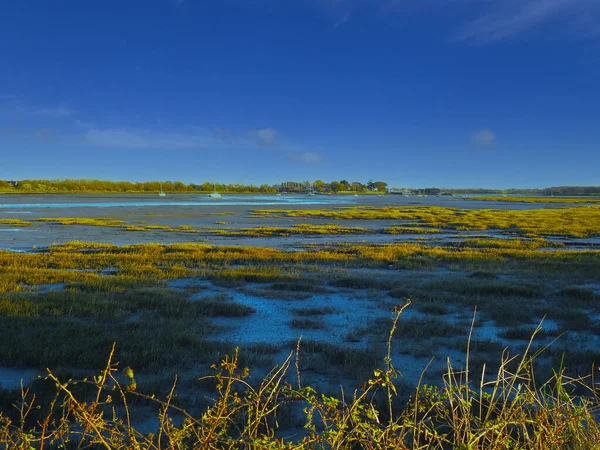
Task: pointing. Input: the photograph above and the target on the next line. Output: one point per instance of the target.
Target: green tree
(380, 186)
(335, 186)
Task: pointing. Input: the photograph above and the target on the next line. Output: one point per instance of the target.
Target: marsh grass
(571, 221)
(399, 292)
(276, 294)
(151, 344)
(158, 327)
(216, 307)
(410, 230)
(305, 323)
(580, 296)
(425, 328)
(478, 287)
(82, 262)
(115, 223)
(470, 408)
(484, 275)
(524, 332)
(360, 283)
(15, 222)
(309, 312)
(355, 363)
(301, 285)
(574, 319)
(438, 308)
(297, 229)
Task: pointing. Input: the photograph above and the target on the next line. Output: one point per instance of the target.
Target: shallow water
(269, 323)
(200, 212)
(146, 202)
(11, 378)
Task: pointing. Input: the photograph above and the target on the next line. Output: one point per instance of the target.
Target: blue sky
(450, 93)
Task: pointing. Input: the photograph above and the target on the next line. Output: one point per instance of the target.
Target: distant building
(399, 190)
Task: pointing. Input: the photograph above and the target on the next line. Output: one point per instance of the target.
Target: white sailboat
(215, 194)
(161, 193)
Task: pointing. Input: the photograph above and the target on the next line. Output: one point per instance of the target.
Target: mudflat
(207, 216)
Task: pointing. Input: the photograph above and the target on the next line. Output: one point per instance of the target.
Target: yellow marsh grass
(578, 222)
(15, 222)
(410, 230)
(248, 232)
(78, 262)
(288, 231)
(114, 223)
(509, 243)
(298, 229)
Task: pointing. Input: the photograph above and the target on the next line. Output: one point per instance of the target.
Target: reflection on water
(230, 200)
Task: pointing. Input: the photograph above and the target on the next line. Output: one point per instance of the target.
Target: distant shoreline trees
(104, 186)
(319, 186)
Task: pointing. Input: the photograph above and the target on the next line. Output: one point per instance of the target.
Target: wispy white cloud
(123, 138)
(484, 138)
(343, 11)
(12, 104)
(506, 19)
(40, 134)
(77, 129)
(483, 21)
(56, 112)
(43, 134)
(185, 138)
(306, 157)
(268, 137)
(7, 97)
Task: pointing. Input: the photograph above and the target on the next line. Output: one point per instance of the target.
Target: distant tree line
(319, 186)
(572, 190)
(103, 186)
(494, 191)
(560, 191)
(332, 186)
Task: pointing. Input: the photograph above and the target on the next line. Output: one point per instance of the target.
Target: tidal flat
(284, 222)
(190, 283)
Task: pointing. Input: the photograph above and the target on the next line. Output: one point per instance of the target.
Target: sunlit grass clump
(298, 229)
(114, 223)
(79, 262)
(410, 230)
(15, 222)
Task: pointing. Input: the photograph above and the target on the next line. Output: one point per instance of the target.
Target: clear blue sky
(451, 93)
